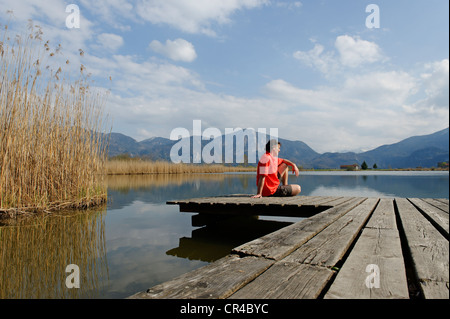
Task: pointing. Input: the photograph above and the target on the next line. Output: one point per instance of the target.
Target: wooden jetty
(346, 247)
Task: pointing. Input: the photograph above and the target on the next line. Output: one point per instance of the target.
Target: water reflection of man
(272, 174)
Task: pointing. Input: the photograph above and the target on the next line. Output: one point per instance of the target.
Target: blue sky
(312, 69)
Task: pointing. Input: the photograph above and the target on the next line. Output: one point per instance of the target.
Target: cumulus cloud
(177, 50)
(193, 16)
(353, 51)
(151, 79)
(316, 58)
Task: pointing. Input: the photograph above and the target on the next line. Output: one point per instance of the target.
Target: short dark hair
(270, 144)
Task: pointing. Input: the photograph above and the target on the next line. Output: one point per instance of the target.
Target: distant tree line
(364, 166)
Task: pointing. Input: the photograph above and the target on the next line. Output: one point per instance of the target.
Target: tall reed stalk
(51, 152)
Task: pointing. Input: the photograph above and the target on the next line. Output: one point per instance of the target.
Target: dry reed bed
(50, 154)
(130, 167)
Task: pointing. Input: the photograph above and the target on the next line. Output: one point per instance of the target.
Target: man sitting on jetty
(272, 173)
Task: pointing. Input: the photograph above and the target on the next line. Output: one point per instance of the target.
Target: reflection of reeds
(50, 155)
(120, 167)
(34, 253)
(126, 182)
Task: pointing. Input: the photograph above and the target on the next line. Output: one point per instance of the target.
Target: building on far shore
(443, 165)
(353, 167)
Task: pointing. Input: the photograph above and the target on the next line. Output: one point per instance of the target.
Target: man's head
(273, 145)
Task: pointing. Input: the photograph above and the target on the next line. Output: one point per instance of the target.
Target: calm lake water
(137, 241)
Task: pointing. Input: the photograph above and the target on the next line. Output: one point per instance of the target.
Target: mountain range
(416, 151)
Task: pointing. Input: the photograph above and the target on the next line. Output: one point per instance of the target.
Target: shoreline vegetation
(125, 165)
(51, 157)
(139, 167)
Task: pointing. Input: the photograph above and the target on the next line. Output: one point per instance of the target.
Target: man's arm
(261, 181)
(294, 167)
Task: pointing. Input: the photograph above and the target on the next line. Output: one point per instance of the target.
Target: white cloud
(51, 11)
(50, 16)
(366, 110)
(354, 51)
(193, 16)
(436, 84)
(110, 41)
(177, 50)
(351, 52)
(323, 99)
(115, 13)
(363, 111)
(382, 89)
(316, 58)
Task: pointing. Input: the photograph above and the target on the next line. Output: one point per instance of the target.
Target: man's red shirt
(268, 167)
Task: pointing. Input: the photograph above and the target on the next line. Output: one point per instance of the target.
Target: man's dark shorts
(283, 191)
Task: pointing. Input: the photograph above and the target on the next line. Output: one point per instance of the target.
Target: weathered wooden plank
(384, 215)
(200, 200)
(336, 201)
(225, 199)
(373, 270)
(435, 290)
(299, 199)
(279, 244)
(326, 199)
(428, 248)
(312, 201)
(244, 204)
(437, 204)
(318, 200)
(330, 245)
(235, 200)
(248, 206)
(289, 263)
(441, 219)
(282, 201)
(214, 281)
(286, 280)
(443, 200)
